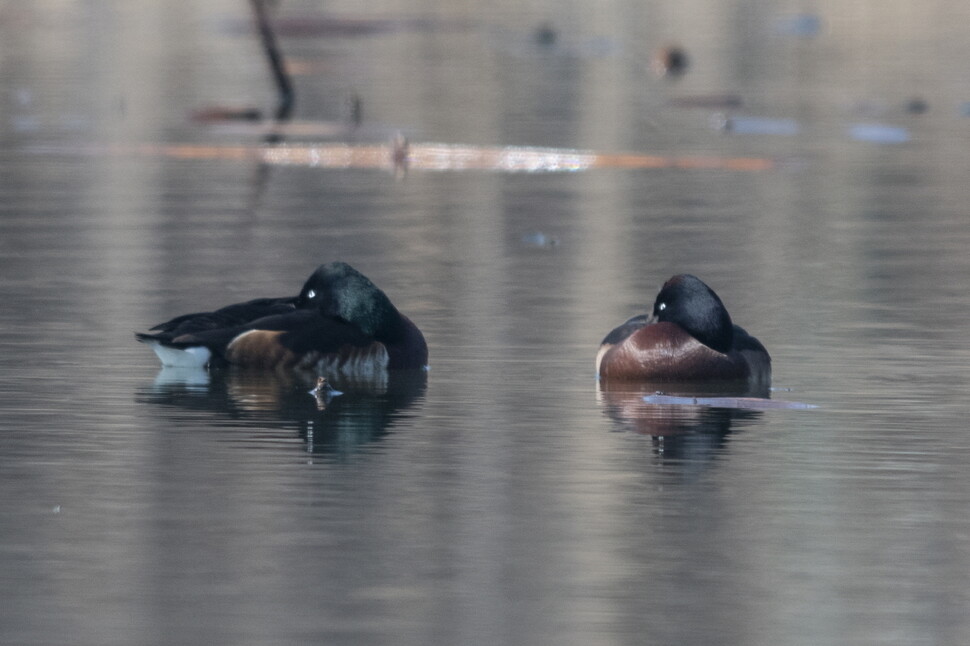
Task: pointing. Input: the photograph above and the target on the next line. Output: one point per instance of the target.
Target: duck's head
(691, 304)
(337, 289)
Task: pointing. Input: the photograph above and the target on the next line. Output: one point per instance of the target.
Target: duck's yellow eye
(662, 307)
(311, 294)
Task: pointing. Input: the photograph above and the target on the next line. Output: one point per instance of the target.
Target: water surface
(502, 497)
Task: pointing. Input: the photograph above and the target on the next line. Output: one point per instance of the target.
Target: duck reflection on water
(340, 417)
(678, 431)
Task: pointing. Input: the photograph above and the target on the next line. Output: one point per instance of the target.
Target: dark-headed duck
(690, 337)
(340, 324)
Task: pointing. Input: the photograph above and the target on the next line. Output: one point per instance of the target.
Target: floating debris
(755, 403)
(755, 125)
(323, 392)
(219, 114)
(435, 157)
(286, 95)
(324, 389)
(670, 61)
(879, 133)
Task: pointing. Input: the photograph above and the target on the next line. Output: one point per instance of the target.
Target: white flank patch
(599, 357)
(195, 357)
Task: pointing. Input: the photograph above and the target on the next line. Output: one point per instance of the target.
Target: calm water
(501, 498)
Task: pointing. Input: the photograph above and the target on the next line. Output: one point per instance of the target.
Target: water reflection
(679, 432)
(363, 413)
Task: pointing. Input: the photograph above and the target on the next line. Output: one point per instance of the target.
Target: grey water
(503, 497)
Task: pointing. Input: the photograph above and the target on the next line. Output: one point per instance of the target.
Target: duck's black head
(688, 302)
(339, 290)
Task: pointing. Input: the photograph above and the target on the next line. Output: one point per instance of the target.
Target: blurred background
(519, 178)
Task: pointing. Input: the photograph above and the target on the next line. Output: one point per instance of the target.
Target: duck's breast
(665, 352)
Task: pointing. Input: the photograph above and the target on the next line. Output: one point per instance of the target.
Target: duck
(689, 337)
(340, 324)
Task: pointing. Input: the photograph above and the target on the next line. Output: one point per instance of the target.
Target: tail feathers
(188, 357)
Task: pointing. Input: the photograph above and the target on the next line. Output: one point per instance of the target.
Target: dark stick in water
(283, 83)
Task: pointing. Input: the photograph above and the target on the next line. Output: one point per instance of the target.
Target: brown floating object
(430, 157)
(670, 60)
